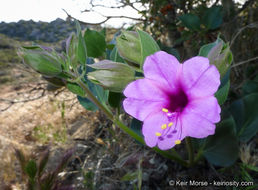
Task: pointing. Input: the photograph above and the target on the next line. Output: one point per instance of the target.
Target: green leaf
(75, 88)
(100, 94)
(114, 99)
(87, 104)
(114, 56)
(222, 148)
(136, 126)
(222, 93)
(250, 86)
(31, 169)
(245, 113)
(95, 43)
(43, 162)
(148, 45)
(213, 17)
(130, 176)
(82, 50)
(41, 61)
(190, 21)
(172, 51)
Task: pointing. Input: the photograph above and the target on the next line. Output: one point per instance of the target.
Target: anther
(177, 142)
(170, 124)
(165, 110)
(164, 126)
(158, 134)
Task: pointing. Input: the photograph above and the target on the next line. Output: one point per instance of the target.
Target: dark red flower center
(177, 101)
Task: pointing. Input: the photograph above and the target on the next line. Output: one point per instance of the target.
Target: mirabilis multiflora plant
(173, 100)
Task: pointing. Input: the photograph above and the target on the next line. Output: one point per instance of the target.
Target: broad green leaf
(31, 169)
(99, 93)
(87, 104)
(114, 99)
(95, 43)
(213, 17)
(190, 21)
(136, 126)
(245, 114)
(82, 50)
(75, 88)
(222, 93)
(148, 45)
(222, 148)
(172, 51)
(114, 56)
(250, 86)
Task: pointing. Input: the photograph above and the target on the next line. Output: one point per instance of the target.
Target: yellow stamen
(164, 126)
(170, 124)
(158, 134)
(165, 110)
(177, 142)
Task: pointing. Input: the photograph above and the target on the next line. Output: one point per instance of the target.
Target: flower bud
(221, 56)
(111, 75)
(129, 46)
(41, 61)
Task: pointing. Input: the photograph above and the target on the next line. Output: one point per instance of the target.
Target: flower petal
(163, 68)
(152, 125)
(207, 84)
(207, 107)
(169, 143)
(145, 89)
(159, 130)
(140, 109)
(199, 78)
(196, 126)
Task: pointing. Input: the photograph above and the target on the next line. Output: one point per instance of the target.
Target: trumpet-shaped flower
(174, 100)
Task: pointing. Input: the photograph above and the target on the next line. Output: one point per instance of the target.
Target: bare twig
(243, 62)
(102, 22)
(252, 25)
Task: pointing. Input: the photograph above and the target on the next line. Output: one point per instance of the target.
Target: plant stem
(94, 99)
(198, 156)
(171, 155)
(189, 147)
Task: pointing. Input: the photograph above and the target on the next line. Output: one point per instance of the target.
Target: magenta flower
(174, 100)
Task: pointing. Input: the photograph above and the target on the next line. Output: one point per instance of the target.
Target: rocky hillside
(38, 31)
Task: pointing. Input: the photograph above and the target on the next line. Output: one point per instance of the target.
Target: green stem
(172, 155)
(198, 156)
(190, 151)
(92, 98)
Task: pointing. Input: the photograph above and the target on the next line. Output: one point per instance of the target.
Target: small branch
(243, 62)
(102, 22)
(252, 25)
